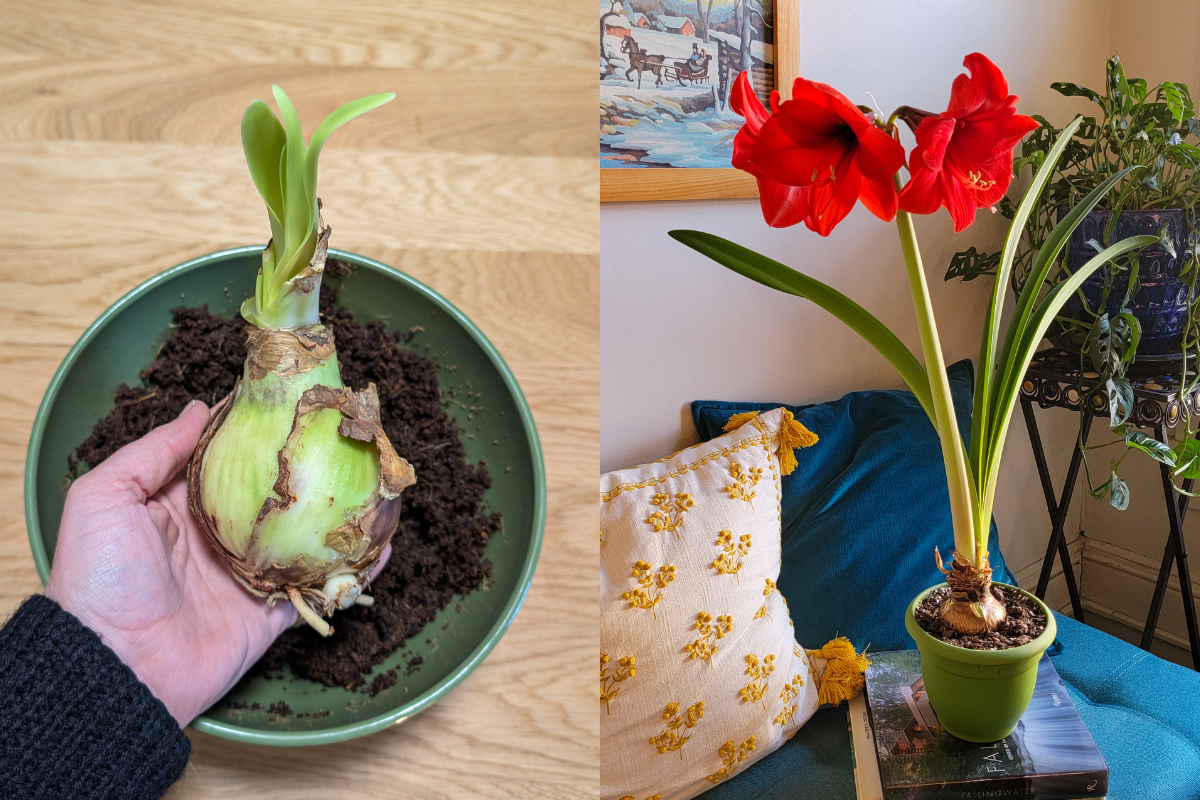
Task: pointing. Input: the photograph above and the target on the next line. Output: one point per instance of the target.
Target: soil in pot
(444, 527)
(1023, 622)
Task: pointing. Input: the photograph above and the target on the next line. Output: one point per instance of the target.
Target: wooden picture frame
(666, 183)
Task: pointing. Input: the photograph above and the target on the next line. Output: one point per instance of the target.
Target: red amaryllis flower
(822, 143)
(963, 158)
(782, 205)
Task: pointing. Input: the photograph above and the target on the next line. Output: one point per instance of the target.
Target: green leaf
(1129, 329)
(1112, 343)
(1150, 446)
(984, 388)
(1184, 154)
(337, 119)
(1074, 90)
(1187, 459)
(1169, 94)
(1119, 493)
(1023, 314)
(1165, 240)
(1120, 401)
(784, 279)
(970, 264)
(297, 216)
(1010, 377)
(263, 140)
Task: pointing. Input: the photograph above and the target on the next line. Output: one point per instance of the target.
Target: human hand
(132, 565)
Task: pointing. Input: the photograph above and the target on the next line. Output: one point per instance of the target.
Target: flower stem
(958, 479)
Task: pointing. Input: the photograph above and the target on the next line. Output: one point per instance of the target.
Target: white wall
(676, 327)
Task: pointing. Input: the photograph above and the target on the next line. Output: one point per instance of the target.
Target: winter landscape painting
(666, 70)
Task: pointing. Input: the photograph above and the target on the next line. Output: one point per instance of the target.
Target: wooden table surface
(120, 156)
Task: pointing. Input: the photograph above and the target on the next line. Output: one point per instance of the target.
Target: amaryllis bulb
(295, 482)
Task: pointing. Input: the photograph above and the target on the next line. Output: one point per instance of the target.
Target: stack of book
(901, 753)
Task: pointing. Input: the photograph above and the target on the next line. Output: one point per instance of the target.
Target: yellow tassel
(844, 673)
(792, 435)
(738, 420)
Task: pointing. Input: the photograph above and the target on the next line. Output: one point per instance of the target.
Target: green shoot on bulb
(284, 170)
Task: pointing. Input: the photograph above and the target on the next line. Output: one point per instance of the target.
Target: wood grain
(119, 143)
(661, 183)
(787, 46)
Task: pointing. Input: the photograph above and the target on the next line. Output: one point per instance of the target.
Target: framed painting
(666, 71)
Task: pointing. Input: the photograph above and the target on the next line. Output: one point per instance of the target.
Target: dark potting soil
(1024, 621)
(437, 551)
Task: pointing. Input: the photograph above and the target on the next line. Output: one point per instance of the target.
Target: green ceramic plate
(125, 339)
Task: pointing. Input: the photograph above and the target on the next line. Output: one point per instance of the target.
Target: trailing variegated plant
(815, 157)
(295, 482)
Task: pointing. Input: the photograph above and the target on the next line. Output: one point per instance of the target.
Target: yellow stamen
(975, 181)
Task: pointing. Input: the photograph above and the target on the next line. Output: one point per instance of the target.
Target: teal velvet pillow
(863, 511)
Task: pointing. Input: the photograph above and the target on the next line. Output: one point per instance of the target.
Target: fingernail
(188, 407)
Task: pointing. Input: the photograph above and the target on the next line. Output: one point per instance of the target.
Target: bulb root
(307, 614)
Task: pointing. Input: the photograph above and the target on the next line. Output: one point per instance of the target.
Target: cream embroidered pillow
(699, 673)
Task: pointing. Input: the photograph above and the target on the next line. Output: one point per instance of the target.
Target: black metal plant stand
(1053, 381)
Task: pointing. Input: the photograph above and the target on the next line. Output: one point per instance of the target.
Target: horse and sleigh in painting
(687, 72)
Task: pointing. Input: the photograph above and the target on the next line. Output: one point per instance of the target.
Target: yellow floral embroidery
(790, 692)
(730, 561)
(753, 691)
(743, 481)
(669, 516)
(672, 738)
(745, 444)
(610, 678)
(705, 648)
(649, 593)
(731, 756)
(762, 612)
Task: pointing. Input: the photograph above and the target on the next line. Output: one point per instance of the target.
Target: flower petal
(923, 192)
(879, 155)
(959, 201)
(981, 141)
(933, 136)
(831, 100)
(831, 201)
(878, 194)
(745, 103)
(782, 205)
(987, 76)
(777, 155)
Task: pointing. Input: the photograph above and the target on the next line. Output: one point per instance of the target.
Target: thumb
(145, 465)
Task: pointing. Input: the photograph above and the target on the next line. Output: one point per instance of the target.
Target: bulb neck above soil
(971, 607)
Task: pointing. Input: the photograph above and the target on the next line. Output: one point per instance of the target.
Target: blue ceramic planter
(1161, 300)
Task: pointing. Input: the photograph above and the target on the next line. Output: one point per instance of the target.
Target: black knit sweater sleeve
(75, 722)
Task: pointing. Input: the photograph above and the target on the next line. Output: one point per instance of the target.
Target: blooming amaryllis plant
(815, 156)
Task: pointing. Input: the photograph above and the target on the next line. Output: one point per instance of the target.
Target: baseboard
(1131, 562)
(1118, 584)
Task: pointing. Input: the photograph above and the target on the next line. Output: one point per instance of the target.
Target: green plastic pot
(125, 339)
(979, 695)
